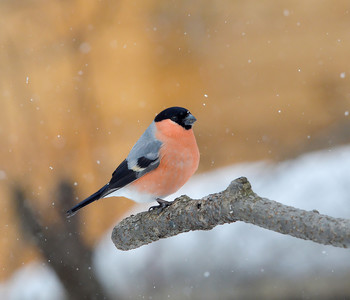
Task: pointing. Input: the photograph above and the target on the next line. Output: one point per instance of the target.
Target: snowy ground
(228, 255)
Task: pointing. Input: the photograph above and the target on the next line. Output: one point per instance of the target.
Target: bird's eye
(174, 118)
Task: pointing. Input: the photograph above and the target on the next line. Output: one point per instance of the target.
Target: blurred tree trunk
(60, 244)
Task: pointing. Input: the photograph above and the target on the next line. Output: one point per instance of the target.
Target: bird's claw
(162, 205)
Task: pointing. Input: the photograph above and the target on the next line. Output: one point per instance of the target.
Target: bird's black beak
(189, 120)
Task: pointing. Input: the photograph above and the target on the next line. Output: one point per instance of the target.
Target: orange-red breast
(161, 162)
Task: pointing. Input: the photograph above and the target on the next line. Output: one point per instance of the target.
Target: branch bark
(237, 203)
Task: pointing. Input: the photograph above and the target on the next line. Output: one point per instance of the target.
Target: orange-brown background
(81, 80)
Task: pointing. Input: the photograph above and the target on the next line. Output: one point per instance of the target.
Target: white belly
(132, 194)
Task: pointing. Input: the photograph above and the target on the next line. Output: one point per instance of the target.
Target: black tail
(88, 200)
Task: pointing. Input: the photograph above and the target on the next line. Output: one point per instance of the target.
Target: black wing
(144, 162)
(121, 177)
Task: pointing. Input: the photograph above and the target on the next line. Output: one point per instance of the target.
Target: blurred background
(81, 80)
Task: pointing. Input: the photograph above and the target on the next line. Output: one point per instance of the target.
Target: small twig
(237, 203)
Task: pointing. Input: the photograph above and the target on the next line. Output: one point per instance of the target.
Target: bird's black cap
(179, 115)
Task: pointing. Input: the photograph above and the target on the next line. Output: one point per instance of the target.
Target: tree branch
(237, 203)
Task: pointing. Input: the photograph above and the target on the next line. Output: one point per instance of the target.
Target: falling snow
(2, 175)
(206, 274)
(286, 12)
(85, 48)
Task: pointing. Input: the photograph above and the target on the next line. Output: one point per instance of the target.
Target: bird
(160, 163)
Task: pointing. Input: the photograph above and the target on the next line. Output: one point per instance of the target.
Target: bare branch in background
(237, 203)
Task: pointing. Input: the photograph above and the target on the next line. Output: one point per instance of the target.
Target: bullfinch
(162, 160)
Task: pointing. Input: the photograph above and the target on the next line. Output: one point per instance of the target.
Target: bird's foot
(162, 205)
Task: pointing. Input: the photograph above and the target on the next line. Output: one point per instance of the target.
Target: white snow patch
(33, 282)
